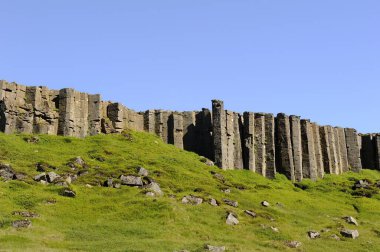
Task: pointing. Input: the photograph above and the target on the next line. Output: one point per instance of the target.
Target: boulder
(215, 248)
(131, 180)
(108, 183)
(142, 171)
(117, 185)
(193, 200)
(213, 202)
(231, 202)
(293, 244)
(363, 183)
(250, 213)
(6, 172)
(25, 214)
(232, 219)
(351, 220)
(22, 223)
(68, 193)
(313, 234)
(154, 187)
(226, 190)
(265, 203)
(52, 177)
(19, 176)
(41, 177)
(350, 233)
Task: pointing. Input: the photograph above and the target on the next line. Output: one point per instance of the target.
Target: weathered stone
(368, 151)
(6, 172)
(270, 167)
(154, 187)
(313, 234)
(318, 150)
(377, 151)
(219, 134)
(350, 233)
(265, 203)
(215, 248)
(213, 202)
(238, 132)
(293, 244)
(25, 214)
(231, 202)
(52, 177)
(351, 220)
(204, 140)
(343, 149)
(295, 125)
(218, 176)
(309, 166)
(189, 131)
(69, 193)
(175, 127)
(22, 224)
(249, 141)
(334, 237)
(131, 180)
(40, 177)
(141, 171)
(284, 151)
(325, 146)
(108, 183)
(232, 219)
(250, 213)
(353, 152)
(193, 200)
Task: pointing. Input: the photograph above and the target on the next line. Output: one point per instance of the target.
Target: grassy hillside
(125, 219)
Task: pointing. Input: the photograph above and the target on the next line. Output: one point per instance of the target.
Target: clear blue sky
(318, 59)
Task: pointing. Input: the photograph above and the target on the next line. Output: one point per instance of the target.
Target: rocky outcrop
(259, 142)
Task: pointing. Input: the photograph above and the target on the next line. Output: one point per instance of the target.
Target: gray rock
(193, 200)
(232, 219)
(226, 190)
(293, 244)
(52, 177)
(150, 194)
(362, 184)
(351, 220)
(142, 171)
(108, 183)
(334, 237)
(41, 177)
(6, 172)
(117, 185)
(25, 214)
(231, 202)
(213, 202)
(313, 234)
(215, 248)
(350, 233)
(250, 213)
(131, 180)
(82, 173)
(154, 187)
(22, 224)
(218, 176)
(80, 161)
(19, 176)
(265, 203)
(69, 193)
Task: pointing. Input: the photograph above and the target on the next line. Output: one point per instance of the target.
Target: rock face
(259, 142)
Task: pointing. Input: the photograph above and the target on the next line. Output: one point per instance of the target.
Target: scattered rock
(32, 139)
(142, 171)
(226, 190)
(25, 214)
(250, 213)
(351, 220)
(59, 183)
(41, 177)
(293, 244)
(313, 234)
(265, 203)
(214, 248)
(154, 187)
(232, 219)
(108, 183)
(131, 180)
(193, 200)
(350, 233)
(82, 173)
(117, 185)
(334, 237)
(76, 163)
(218, 176)
(213, 202)
(68, 193)
(231, 202)
(6, 172)
(52, 177)
(22, 223)
(362, 184)
(19, 176)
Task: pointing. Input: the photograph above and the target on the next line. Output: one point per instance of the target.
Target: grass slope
(108, 219)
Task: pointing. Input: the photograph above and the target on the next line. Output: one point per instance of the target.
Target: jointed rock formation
(259, 142)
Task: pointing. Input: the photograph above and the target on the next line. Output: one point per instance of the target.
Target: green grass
(107, 219)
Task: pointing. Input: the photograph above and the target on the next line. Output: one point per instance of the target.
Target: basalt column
(116, 115)
(204, 129)
(325, 146)
(248, 141)
(295, 130)
(343, 149)
(353, 152)
(230, 137)
(339, 169)
(238, 151)
(284, 152)
(219, 134)
(161, 124)
(270, 149)
(318, 150)
(368, 151)
(94, 114)
(149, 121)
(376, 139)
(66, 112)
(333, 152)
(309, 169)
(260, 143)
(189, 131)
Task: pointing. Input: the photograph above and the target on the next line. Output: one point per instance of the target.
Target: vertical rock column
(295, 130)
(270, 149)
(189, 131)
(332, 150)
(376, 139)
(66, 112)
(94, 114)
(325, 146)
(260, 143)
(203, 132)
(343, 149)
(318, 150)
(176, 129)
(339, 169)
(309, 167)
(149, 121)
(81, 111)
(284, 151)
(249, 141)
(230, 137)
(238, 151)
(368, 151)
(219, 134)
(353, 152)
(116, 115)
(161, 124)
